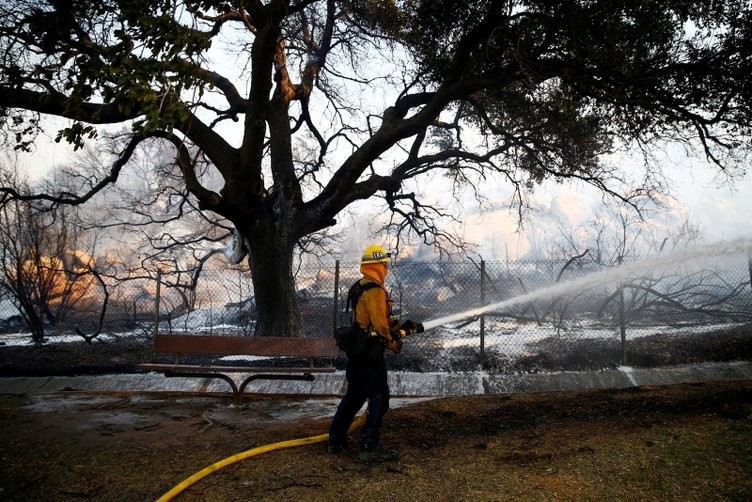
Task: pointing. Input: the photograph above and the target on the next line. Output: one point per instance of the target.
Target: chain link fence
(503, 316)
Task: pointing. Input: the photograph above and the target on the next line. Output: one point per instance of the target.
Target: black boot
(338, 446)
(378, 454)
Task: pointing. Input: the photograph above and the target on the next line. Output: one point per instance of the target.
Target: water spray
(617, 274)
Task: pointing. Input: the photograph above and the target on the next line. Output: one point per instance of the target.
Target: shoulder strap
(357, 289)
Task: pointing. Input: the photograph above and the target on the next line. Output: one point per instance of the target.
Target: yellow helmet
(375, 254)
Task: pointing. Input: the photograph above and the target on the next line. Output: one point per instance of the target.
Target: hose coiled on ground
(249, 453)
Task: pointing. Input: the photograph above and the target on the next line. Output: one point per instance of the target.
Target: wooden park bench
(301, 367)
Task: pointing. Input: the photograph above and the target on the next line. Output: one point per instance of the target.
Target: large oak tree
(526, 90)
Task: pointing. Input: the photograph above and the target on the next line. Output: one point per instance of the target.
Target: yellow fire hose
(250, 453)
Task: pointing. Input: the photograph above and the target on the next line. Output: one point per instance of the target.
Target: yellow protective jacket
(373, 309)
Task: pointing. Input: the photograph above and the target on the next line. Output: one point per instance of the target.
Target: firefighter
(366, 371)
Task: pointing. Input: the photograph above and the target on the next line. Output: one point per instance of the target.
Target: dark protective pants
(366, 381)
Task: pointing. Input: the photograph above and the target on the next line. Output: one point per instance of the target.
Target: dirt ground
(681, 442)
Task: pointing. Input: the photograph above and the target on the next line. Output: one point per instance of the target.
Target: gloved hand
(412, 327)
(395, 342)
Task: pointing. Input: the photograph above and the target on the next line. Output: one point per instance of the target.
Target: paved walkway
(402, 384)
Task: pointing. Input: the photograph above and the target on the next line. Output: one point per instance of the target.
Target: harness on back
(350, 338)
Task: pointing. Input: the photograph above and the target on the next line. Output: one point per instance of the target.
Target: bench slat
(308, 348)
(230, 369)
(245, 345)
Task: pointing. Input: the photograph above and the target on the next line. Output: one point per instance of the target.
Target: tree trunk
(34, 321)
(277, 311)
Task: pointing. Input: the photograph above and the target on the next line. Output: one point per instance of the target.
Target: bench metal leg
(233, 385)
(238, 391)
(305, 377)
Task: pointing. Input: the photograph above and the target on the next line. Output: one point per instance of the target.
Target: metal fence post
(482, 315)
(622, 321)
(335, 315)
(156, 302)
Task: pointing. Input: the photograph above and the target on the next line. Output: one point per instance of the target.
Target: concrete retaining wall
(401, 383)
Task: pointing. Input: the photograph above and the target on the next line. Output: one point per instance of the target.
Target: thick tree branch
(61, 105)
(9, 193)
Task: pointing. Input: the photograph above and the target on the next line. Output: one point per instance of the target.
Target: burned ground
(679, 442)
